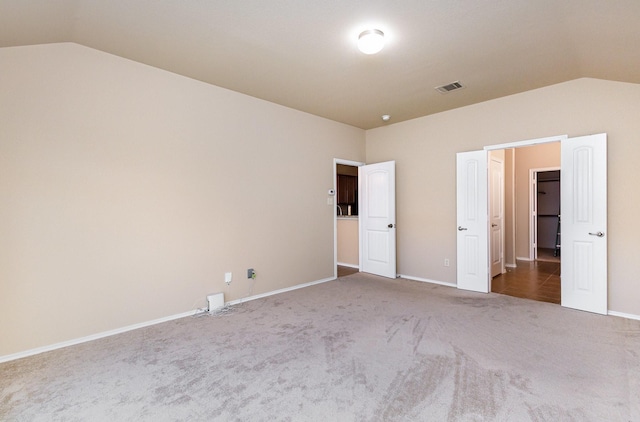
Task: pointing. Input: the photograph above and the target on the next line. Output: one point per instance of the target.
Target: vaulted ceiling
(302, 53)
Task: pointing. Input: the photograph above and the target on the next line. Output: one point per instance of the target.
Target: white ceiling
(302, 53)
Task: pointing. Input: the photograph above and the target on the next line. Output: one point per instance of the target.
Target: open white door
(584, 223)
(472, 218)
(377, 209)
(496, 215)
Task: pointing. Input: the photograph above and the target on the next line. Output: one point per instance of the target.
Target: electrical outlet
(251, 273)
(227, 278)
(446, 262)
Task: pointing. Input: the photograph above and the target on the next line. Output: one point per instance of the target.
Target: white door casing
(533, 223)
(584, 223)
(496, 215)
(533, 209)
(472, 221)
(377, 217)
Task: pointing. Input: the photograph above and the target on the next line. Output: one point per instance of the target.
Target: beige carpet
(361, 348)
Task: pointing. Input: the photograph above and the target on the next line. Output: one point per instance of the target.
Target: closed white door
(496, 215)
(472, 221)
(377, 215)
(584, 223)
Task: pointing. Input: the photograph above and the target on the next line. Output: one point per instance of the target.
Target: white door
(584, 223)
(496, 215)
(377, 210)
(472, 221)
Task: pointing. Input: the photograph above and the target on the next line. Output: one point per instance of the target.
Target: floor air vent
(449, 87)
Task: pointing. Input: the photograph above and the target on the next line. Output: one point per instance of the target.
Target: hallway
(536, 280)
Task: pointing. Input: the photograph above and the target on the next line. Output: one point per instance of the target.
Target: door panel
(377, 219)
(496, 215)
(472, 221)
(584, 223)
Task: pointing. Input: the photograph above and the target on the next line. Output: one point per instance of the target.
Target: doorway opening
(374, 202)
(346, 221)
(532, 213)
(545, 215)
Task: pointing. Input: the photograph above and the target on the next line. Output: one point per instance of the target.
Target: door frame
(332, 199)
(533, 209)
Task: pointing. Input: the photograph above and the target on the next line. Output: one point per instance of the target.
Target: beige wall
(424, 150)
(127, 193)
(348, 241)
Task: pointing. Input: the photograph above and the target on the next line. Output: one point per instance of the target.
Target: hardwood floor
(548, 254)
(345, 271)
(537, 280)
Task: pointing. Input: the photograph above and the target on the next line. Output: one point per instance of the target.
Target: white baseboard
(523, 258)
(275, 292)
(103, 334)
(342, 264)
(426, 280)
(97, 336)
(511, 265)
(624, 315)
(92, 337)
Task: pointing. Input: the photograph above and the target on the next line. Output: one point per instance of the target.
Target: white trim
(624, 315)
(109, 333)
(533, 214)
(527, 142)
(342, 264)
(533, 209)
(337, 161)
(511, 152)
(511, 265)
(92, 337)
(426, 280)
(275, 292)
(523, 258)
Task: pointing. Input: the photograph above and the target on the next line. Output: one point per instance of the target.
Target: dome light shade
(371, 41)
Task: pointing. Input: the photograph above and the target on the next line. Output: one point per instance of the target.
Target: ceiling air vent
(449, 87)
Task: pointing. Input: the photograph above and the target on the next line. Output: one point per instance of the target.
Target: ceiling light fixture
(386, 117)
(371, 41)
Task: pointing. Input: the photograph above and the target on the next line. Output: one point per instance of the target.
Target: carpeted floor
(361, 348)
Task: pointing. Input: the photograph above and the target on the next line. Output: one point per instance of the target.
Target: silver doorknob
(460, 228)
(599, 234)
